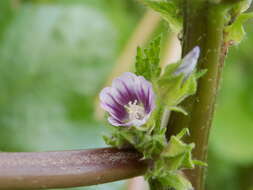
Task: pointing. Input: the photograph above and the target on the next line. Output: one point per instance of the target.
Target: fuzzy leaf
(170, 10)
(147, 61)
(235, 32)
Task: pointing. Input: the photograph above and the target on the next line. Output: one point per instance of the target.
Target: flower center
(135, 111)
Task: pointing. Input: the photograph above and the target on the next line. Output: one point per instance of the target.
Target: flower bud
(189, 63)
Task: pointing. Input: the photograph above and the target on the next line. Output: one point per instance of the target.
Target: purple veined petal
(151, 101)
(129, 101)
(109, 104)
(189, 62)
(142, 93)
(105, 96)
(121, 93)
(120, 114)
(145, 94)
(115, 122)
(125, 87)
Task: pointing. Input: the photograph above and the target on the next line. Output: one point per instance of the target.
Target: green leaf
(147, 61)
(235, 32)
(170, 10)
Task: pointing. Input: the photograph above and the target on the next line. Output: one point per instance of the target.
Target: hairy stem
(40, 170)
(203, 26)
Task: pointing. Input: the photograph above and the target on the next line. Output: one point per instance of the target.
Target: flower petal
(109, 104)
(115, 122)
(145, 94)
(189, 62)
(125, 88)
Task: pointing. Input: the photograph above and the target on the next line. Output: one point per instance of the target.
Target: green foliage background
(54, 58)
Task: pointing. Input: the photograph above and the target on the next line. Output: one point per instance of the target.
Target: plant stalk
(203, 26)
(41, 170)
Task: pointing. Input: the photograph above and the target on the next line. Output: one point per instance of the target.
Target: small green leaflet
(235, 32)
(147, 61)
(170, 10)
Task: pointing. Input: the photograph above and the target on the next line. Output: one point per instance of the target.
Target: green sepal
(174, 89)
(170, 69)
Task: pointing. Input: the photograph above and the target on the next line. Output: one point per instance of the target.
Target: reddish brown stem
(38, 170)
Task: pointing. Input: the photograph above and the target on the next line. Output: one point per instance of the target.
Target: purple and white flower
(189, 62)
(129, 101)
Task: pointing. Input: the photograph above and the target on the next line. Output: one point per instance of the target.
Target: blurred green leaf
(170, 10)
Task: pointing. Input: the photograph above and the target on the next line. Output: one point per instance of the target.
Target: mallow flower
(189, 62)
(129, 101)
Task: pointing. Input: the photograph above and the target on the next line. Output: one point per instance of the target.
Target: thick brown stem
(38, 170)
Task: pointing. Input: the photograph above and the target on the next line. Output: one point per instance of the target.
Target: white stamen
(136, 112)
